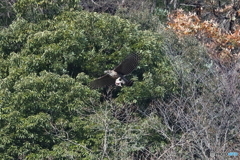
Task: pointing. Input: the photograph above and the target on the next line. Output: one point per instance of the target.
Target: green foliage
(41, 110)
(35, 10)
(90, 43)
(47, 109)
(51, 52)
(7, 14)
(123, 140)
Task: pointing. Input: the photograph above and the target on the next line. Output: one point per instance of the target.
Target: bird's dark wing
(105, 80)
(128, 64)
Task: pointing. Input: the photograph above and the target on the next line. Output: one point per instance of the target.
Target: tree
(46, 105)
(36, 10)
(41, 112)
(202, 118)
(222, 45)
(184, 103)
(7, 13)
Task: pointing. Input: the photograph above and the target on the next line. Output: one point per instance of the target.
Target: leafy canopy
(46, 104)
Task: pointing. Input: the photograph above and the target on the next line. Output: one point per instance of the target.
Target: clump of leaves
(221, 45)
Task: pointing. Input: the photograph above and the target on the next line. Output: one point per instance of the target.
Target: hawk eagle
(117, 75)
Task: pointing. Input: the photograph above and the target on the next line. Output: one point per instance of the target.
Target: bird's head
(119, 82)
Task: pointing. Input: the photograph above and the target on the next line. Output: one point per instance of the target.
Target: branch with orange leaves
(220, 44)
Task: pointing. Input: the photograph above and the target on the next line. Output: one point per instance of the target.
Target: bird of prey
(117, 75)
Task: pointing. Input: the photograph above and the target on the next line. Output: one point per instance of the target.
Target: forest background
(185, 101)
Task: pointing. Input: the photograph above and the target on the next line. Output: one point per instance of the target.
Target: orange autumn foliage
(220, 43)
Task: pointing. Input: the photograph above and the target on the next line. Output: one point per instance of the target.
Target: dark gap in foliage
(73, 70)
